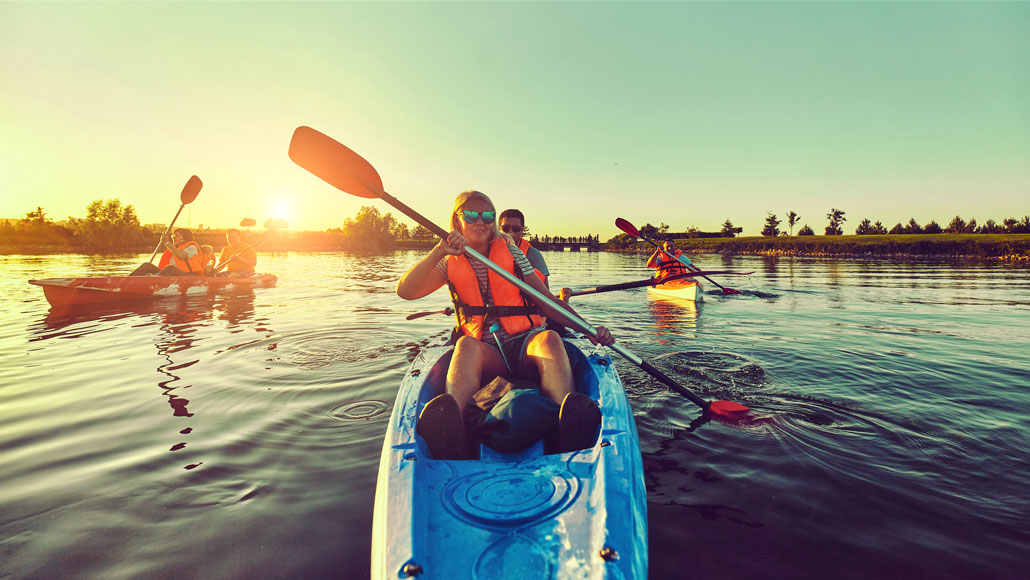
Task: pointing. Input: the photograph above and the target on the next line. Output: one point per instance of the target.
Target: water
(239, 436)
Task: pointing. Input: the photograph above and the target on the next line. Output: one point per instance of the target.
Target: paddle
(347, 171)
(649, 282)
(448, 311)
(264, 236)
(189, 193)
(632, 230)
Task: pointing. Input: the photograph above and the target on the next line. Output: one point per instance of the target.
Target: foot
(441, 427)
(578, 422)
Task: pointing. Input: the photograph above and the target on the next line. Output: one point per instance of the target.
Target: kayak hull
(112, 289)
(684, 289)
(581, 514)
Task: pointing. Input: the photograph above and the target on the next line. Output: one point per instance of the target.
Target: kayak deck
(685, 289)
(581, 514)
(108, 289)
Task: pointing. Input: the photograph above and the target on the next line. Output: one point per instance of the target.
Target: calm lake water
(238, 436)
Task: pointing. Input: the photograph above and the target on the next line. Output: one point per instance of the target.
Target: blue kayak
(581, 514)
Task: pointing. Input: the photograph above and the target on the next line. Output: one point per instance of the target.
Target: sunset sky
(576, 113)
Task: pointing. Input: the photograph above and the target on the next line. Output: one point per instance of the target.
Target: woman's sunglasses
(470, 216)
(510, 229)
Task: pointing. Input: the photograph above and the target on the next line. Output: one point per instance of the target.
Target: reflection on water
(673, 316)
(159, 439)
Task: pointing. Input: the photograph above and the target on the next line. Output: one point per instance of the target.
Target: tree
(772, 224)
(865, 228)
(109, 226)
(421, 232)
(400, 232)
(728, 231)
(897, 229)
(836, 218)
(932, 227)
(806, 231)
(37, 216)
(248, 222)
(957, 225)
(1010, 224)
(913, 227)
(652, 232)
(990, 227)
(792, 218)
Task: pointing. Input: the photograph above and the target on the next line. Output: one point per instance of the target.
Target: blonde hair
(456, 219)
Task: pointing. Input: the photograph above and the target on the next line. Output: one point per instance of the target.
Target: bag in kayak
(509, 417)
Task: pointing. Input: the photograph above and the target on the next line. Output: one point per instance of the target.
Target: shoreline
(994, 247)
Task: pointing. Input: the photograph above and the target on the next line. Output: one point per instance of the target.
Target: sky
(577, 113)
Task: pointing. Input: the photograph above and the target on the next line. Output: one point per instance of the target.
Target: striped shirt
(482, 276)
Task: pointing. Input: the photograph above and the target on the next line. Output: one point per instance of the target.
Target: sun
(280, 208)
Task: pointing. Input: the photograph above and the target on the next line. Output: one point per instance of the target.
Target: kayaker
(667, 266)
(241, 258)
(531, 351)
(182, 255)
(513, 223)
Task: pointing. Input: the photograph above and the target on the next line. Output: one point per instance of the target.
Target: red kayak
(71, 291)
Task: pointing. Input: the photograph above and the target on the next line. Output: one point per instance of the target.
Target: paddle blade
(730, 291)
(334, 163)
(627, 227)
(191, 190)
(727, 409)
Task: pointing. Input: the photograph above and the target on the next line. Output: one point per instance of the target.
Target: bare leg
(545, 353)
(472, 360)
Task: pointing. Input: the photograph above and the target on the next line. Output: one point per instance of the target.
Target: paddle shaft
(546, 303)
(160, 243)
(642, 283)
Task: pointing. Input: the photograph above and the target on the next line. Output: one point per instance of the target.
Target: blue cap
(494, 327)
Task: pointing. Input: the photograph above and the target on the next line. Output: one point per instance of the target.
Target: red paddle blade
(627, 227)
(332, 162)
(730, 291)
(727, 409)
(191, 190)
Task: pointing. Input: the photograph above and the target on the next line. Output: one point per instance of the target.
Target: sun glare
(280, 208)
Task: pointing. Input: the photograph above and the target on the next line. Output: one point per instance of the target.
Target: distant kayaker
(668, 266)
(513, 223)
(241, 257)
(482, 298)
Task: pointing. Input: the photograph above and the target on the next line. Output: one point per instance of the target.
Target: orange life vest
(670, 267)
(524, 246)
(509, 305)
(194, 265)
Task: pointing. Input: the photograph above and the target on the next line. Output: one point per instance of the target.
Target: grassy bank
(993, 246)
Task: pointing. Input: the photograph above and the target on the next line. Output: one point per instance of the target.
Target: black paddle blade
(627, 227)
(334, 163)
(191, 190)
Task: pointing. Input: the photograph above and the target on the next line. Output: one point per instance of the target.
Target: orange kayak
(108, 289)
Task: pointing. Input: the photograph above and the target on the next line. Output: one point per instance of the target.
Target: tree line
(866, 227)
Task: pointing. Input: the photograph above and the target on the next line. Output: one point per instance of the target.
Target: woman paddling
(520, 347)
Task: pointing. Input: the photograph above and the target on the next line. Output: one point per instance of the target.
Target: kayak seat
(513, 420)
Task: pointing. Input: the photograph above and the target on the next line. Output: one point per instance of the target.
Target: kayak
(683, 288)
(580, 514)
(107, 289)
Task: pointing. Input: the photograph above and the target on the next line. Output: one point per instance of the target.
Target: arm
(424, 278)
(170, 246)
(247, 257)
(652, 262)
